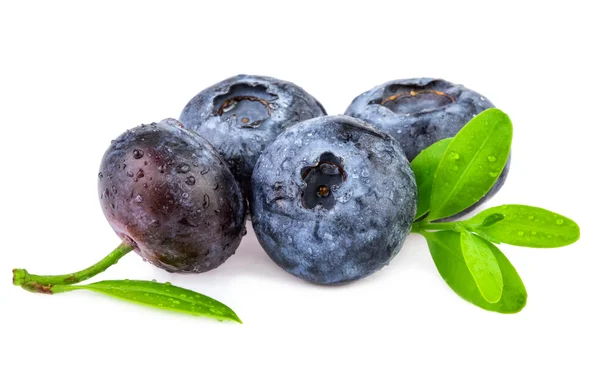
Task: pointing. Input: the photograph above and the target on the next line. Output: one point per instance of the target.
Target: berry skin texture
(421, 111)
(166, 190)
(333, 199)
(242, 115)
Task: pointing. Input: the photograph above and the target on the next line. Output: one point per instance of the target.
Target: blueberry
(333, 199)
(167, 190)
(242, 115)
(421, 111)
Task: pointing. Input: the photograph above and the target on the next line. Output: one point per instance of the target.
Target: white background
(75, 76)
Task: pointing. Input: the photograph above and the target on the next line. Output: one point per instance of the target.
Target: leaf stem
(424, 225)
(46, 283)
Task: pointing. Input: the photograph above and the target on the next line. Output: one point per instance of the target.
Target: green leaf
(471, 164)
(483, 266)
(424, 166)
(446, 252)
(526, 226)
(158, 295)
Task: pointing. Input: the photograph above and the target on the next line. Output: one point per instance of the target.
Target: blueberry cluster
(331, 198)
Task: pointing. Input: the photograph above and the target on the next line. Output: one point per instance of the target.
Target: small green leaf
(446, 252)
(471, 164)
(482, 265)
(162, 296)
(491, 220)
(526, 226)
(424, 166)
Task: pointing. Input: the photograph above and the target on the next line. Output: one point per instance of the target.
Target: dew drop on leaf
(491, 158)
(560, 222)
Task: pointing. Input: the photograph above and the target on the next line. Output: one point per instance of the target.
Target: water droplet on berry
(183, 168)
(139, 199)
(137, 154)
(190, 180)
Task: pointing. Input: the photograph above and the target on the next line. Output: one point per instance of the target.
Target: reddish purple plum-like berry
(167, 191)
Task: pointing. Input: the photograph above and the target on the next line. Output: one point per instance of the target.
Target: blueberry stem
(44, 283)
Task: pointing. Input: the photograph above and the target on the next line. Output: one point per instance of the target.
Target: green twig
(421, 226)
(44, 283)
